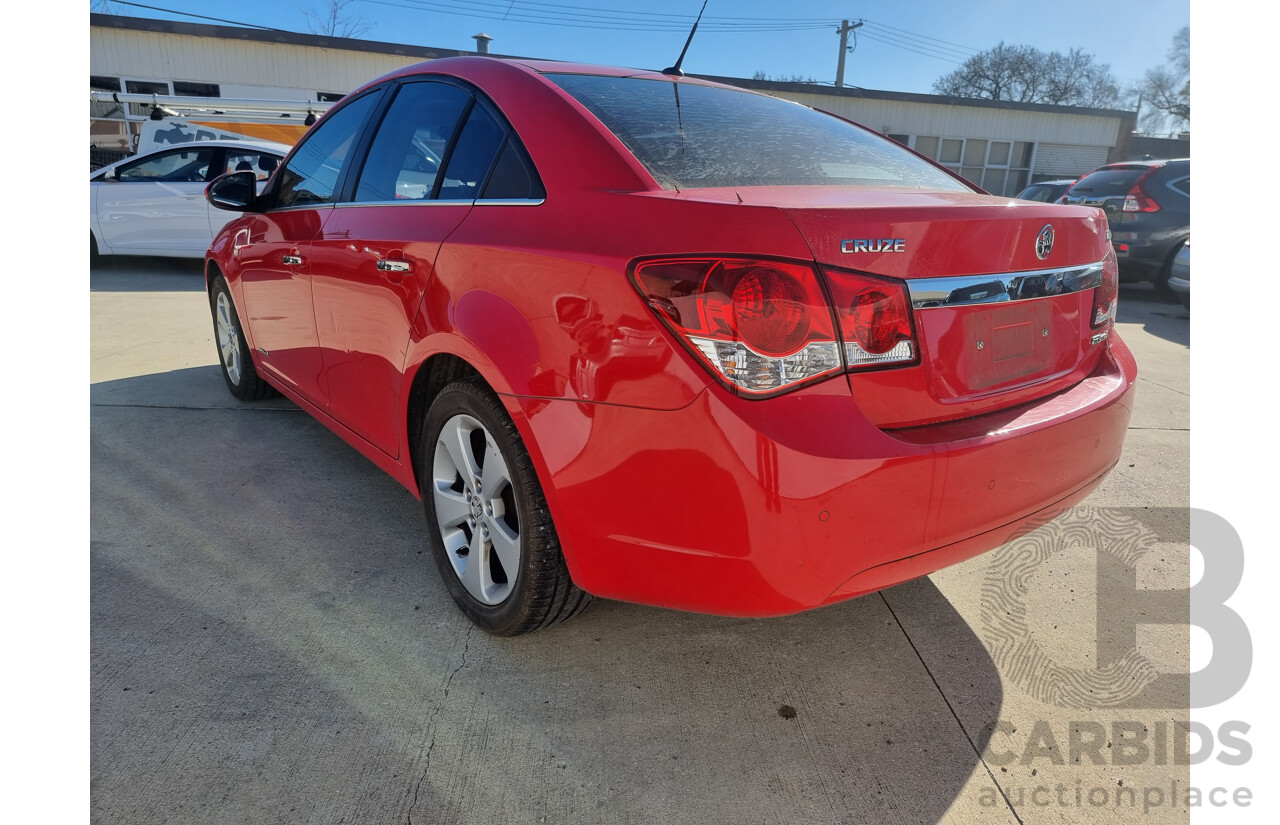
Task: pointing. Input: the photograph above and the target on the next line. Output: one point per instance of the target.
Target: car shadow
(1164, 319)
(131, 273)
(265, 618)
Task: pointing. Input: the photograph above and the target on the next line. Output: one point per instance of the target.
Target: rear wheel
(233, 351)
(490, 529)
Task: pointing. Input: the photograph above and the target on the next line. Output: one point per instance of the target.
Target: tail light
(761, 326)
(875, 319)
(1138, 200)
(1105, 297)
(764, 327)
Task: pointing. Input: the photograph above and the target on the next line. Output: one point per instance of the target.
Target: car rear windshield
(1106, 182)
(691, 136)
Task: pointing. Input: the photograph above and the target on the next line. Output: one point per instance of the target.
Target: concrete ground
(269, 642)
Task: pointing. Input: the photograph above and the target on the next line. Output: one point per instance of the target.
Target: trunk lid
(996, 324)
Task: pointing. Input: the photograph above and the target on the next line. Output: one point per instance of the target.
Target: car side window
(261, 164)
(405, 156)
(473, 156)
(311, 175)
(513, 177)
(188, 166)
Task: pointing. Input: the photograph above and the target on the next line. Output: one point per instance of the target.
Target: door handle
(394, 266)
(293, 260)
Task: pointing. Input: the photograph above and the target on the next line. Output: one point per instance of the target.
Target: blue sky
(904, 45)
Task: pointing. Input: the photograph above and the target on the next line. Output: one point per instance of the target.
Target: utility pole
(843, 31)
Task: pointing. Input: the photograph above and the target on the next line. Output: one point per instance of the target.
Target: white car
(154, 204)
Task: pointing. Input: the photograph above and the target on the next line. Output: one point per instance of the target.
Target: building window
(1002, 167)
(105, 109)
(183, 87)
(144, 87)
(329, 97)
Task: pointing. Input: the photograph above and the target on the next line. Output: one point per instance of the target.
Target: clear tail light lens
(1105, 297)
(875, 319)
(761, 326)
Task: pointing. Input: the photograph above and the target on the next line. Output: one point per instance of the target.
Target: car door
(371, 265)
(156, 204)
(274, 253)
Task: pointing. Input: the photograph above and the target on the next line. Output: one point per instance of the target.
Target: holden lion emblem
(1044, 242)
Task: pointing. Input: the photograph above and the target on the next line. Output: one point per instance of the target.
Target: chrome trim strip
(1005, 287)
(439, 202)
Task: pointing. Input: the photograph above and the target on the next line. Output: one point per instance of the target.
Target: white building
(1001, 146)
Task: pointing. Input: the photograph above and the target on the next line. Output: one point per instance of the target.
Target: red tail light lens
(761, 326)
(1138, 200)
(875, 319)
(1105, 297)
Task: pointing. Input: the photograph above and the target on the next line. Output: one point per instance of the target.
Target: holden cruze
(661, 340)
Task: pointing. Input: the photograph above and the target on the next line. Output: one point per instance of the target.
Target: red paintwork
(665, 487)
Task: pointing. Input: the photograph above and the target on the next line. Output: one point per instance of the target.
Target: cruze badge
(1044, 242)
(874, 245)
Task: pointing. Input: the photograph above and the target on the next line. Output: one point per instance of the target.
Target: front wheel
(233, 351)
(490, 529)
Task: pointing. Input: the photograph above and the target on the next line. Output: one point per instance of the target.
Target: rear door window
(472, 158)
(404, 159)
(691, 136)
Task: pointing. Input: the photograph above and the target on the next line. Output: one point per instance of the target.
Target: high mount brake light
(764, 327)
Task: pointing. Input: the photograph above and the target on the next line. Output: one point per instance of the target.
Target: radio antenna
(675, 70)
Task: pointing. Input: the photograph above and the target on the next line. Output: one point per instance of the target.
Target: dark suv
(1148, 205)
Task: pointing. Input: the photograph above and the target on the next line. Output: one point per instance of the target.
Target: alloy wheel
(475, 508)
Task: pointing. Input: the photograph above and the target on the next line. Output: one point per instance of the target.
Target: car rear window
(1109, 181)
(690, 136)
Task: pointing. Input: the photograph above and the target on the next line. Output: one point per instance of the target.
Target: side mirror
(234, 191)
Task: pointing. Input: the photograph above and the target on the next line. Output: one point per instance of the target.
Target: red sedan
(660, 340)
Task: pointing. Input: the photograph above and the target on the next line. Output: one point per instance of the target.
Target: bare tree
(1028, 75)
(1164, 93)
(334, 21)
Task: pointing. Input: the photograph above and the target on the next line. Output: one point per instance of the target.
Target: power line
(199, 16)
(915, 36)
(609, 20)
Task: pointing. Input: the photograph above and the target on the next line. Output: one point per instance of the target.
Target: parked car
(1180, 274)
(666, 341)
(1047, 191)
(1148, 204)
(153, 204)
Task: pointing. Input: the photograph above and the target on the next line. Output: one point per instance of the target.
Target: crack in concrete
(1163, 387)
(426, 768)
(976, 750)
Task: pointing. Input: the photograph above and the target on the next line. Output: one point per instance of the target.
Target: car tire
(489, 526)
(233, 351)
(1163, 292)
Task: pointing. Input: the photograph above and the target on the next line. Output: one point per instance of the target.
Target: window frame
(350, 178)
(359, 147)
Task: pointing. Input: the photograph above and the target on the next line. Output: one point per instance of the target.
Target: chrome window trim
(441, 202)
(1004, 287)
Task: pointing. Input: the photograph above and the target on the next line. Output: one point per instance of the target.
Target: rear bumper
(763, 508)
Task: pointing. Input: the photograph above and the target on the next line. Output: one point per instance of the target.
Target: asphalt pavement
(271, 643)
